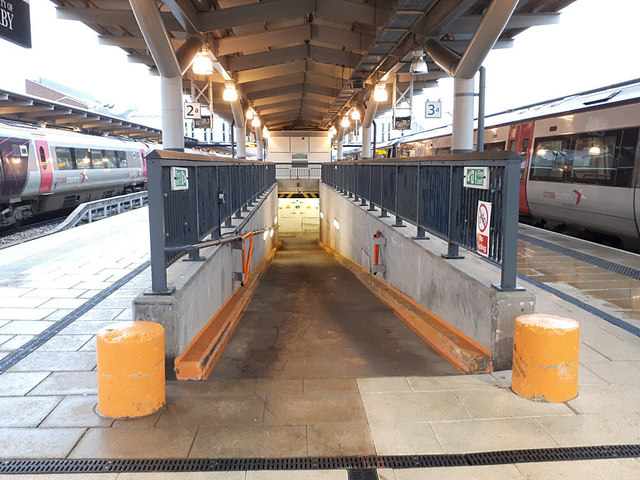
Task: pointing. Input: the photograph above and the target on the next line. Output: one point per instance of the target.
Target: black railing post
(421, 232)
(398, 219)
(192, 221)
(455, 186)
(371, 206)
(156, 227)
(510, 206)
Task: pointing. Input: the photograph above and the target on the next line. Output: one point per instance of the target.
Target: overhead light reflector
(380, 93)
(202, 63)
(230, 93)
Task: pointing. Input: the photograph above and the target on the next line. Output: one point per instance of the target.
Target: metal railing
(299, 170)
(195, 196)
(429, 193)
(99, 209)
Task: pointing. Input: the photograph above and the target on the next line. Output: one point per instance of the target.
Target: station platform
(380, 391)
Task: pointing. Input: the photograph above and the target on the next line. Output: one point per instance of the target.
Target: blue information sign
(15, 22)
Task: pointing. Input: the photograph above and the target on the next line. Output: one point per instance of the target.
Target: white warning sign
(483, 223)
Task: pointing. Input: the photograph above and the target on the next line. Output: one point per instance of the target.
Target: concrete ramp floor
(311, 318)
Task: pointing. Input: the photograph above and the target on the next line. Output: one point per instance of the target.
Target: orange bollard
(545, 358)
(131, 379)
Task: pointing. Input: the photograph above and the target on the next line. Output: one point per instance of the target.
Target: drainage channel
(359, 467)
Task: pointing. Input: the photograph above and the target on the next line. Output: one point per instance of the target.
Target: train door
(520, 141)
(46, 168)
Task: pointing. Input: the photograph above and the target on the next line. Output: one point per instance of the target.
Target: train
(45, 170)
(580, 167)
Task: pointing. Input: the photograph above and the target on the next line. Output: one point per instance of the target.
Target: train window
(626, 158)
(43, 158)
(550, 160)
(593, 157)
(82, 157)
(63, 158)
(97, 159)
(122, 159)
(110, 158)
(494, 147)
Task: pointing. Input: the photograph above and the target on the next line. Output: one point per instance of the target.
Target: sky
(595, 44)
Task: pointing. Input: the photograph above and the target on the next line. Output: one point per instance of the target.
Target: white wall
(298, 214)
(309, 146)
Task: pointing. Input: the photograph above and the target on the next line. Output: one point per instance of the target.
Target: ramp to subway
(312, 318)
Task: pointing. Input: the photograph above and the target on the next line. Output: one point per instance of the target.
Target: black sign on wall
(15, 22)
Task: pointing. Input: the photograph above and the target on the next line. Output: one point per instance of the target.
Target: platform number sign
(483, 225)
(433, 109)
(179, 178)
(191, 110)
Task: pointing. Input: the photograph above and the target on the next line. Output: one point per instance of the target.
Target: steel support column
(339, 143)
(157, 39)
(463, 100)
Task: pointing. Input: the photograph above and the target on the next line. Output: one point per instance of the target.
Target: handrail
(192, 197)
(87, 209)
(429, 192)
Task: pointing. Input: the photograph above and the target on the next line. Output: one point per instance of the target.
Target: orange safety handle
(246, 259)
(376, 249)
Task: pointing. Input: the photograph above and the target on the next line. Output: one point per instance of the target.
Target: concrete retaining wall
(458, 291)
(201, 288)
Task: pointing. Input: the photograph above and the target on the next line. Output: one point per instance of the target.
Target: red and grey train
(580, 158)
(44, 170)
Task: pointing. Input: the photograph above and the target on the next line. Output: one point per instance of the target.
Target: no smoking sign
(483, 222)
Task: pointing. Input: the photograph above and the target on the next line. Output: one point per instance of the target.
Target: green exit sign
(179, 178)
(476, 177)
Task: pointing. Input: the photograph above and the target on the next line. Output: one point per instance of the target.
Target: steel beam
(522, 20)
(258, 74)
(254, 13)
(136, 43)
(262, 41)
(105, 16)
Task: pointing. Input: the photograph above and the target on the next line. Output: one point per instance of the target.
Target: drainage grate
(584, 257)
(363, 474)
(39, 340)
(364, 466)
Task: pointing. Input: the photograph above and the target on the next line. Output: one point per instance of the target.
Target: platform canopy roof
(34, 110)
(301, 63)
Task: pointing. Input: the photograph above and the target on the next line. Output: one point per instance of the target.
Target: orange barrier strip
(462, 352)
(246, 263)
(201, 355)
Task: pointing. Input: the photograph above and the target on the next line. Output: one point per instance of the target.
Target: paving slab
(25, 411)
(307, 408)
(38, 443)
(135, 443)
(404, 438)
(56, 362)
(213, 410)
(77, 411)
(68, 383)
(496, 434)
(618, 469)
(20, 383)
(250, 441)
(413, 407)
(339, 439)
